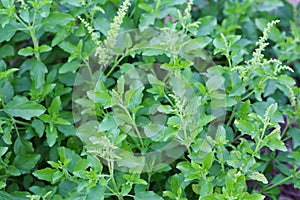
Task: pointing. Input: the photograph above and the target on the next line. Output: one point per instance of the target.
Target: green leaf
(7, 3)
(273, 141)
(247, 127)
(5, 196)
(27, 51)
(294, 132)
(26, 162)
(7, 73)
(286, 80)
(45, 174)
(54, 107)
(22, 146)
(215, 82)
(3, 150)
(152, 130)
(24, 108)
(7, 50)
(37, 73)
(7, 32)
(258, 177)
(69, 67)
(67, 47)
(2, 185)
(51, 134)
(107, 123)
(244, 109)
(121, 85)
(39, 127)
(58, 18)
(145, 7)
(12, 170)
(207, 24)
(44, 48)
(147, 196)
(274, 34)
(147, 19)
(208, 160)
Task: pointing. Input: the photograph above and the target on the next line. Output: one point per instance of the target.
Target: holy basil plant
(144, 99)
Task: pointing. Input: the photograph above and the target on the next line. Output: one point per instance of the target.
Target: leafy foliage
(149, 99)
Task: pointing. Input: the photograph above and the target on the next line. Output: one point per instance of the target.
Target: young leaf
(24, 108)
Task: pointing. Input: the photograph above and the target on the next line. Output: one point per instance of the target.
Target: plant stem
(232, 115)
(111, 172)
(248, 95)
(115, 65)
(260, 139)
(133, 124)
(157, 5)
(280, 182)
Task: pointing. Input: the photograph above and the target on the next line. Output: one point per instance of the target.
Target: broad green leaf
(273, 141)
(7, 73)
(274, 34)
(153, 129)
(286, 80)
(37, 73)
(214, 83)
(69, 67)
(24, 108)
(5, 196)
(54, 107)
(27, 51)
(39, 127)
(207, 24)
(44, 48)
(22, 146)
(7, 50)
(295, 133)
(58, 18)
(208, 160)
(147, 196)
(45, 174)
(26, 162)
(145, 7)
(7, 3)
(2, 185)
(7, 32)
(3, 150)
(51, 134)
(258, 177)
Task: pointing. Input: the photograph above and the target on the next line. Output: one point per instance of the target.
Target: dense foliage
(147, 99)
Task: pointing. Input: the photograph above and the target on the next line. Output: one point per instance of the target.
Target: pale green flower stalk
(186, 17)
(91, 31)
(257, 54)
(188, 9)
(258, 59)
(104, 50)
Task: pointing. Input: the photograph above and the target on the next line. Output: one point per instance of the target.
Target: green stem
(286, 128)
(280, 182)
(260, 139)
(248, 95)
(86, 62)
(232, 115)
(15, 125)
(115, 65)
(157, 5)
(23, 123)
(35, 44)
(111, 172)
(285, 139)
(133, 124)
